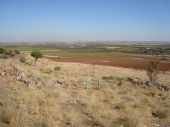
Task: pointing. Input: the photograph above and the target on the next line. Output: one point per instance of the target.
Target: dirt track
(119, 62)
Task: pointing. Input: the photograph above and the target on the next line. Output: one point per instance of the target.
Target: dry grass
(111, 105)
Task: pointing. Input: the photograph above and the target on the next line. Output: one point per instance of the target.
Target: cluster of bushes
(5, 53)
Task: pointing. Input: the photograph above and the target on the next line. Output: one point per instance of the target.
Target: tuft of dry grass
(161, 113)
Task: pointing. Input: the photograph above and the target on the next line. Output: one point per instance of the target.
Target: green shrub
(57, 68)
(2, 49)
(17, 52)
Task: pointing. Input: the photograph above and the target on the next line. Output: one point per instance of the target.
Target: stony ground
(55, 94)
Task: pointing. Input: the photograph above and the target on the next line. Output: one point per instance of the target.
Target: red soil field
(119, 62)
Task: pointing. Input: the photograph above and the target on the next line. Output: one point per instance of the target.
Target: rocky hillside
(53, 94)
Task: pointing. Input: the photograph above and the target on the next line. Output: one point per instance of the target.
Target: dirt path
(119, 62)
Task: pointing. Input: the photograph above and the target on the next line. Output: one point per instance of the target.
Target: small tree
(153, 70)
(36, 55)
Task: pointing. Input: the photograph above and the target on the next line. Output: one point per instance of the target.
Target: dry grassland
(83, 99)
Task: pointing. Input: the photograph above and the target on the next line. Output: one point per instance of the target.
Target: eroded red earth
(119, 62)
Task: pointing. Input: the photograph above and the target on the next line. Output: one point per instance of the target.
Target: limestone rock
(147, 84)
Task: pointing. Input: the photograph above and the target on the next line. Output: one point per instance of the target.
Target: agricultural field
(130, 56)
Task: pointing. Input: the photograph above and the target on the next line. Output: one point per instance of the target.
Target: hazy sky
(87, 20)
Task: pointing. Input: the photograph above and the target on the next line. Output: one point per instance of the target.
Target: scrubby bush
(2, 49)
(48, 71)
(5, 53)
(4, 56)
(108, 78)
(129, 120)
(36, 54)
(17, 52)
(153, 70)
(10, 53)
(57, 68)
(22, 59)
(160, 113)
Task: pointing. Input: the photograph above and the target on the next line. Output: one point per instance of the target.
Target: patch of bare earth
(119, 62)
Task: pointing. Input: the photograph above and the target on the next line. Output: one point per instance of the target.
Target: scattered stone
(12, 73)
(57, 83)
(61, 82)
(22, 77)
(147, 84)
(25, 61)
(2, 74)
(30, 80)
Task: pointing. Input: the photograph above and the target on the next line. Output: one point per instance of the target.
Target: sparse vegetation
(48, 100)
(10, 53)
(84, 63)
(7, 53)
(129, 120)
